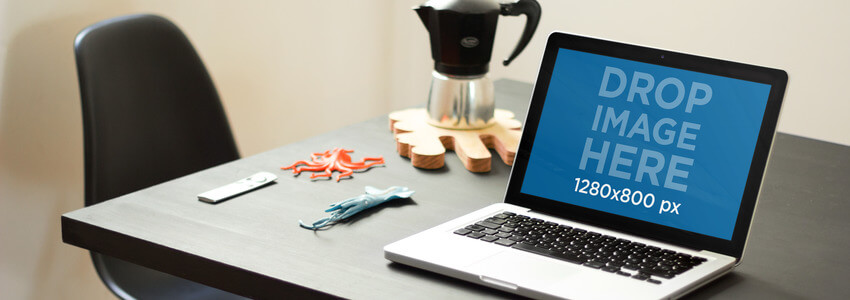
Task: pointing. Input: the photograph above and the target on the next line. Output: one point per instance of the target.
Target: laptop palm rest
(513, 269)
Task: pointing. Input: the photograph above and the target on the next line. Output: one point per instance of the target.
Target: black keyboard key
(527, 243)
(593, 264)
(627, 274)
(503, 235)
(653, 281)
(489, 231)
(462, 231)
(475, 235)
(599, 260)
(474, 227)
(681, 261)
(651, 259)
(488, 225)
(506, 228)
(496, 221)
(562, 256)
(640, 276)
(508, 213)
(516, 238)
(502, 216)
(682, 256)
(610, 269)
(489, 238)
(691, 263)
(656, 272)
(505, 242)
(615, 263)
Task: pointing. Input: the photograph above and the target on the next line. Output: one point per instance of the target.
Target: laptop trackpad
(513, 268)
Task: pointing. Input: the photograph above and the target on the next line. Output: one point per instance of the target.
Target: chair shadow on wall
(41, 166)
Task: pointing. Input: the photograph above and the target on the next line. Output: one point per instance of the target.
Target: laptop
(637, 176)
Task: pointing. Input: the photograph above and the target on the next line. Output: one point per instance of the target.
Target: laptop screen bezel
(777, 79)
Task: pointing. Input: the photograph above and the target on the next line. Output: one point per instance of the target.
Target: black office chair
(150, 114)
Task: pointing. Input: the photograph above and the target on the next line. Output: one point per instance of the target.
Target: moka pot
(462, 34)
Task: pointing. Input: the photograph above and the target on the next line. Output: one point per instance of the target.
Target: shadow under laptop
(754, 288)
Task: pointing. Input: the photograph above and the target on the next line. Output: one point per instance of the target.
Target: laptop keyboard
(576, 245)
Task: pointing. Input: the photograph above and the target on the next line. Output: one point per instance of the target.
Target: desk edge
(184, 265)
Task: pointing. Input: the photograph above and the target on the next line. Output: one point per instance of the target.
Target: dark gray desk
(252, 245)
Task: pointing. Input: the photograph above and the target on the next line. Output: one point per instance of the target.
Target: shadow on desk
(757, 288)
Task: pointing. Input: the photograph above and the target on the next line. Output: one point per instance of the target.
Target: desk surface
(252, 245)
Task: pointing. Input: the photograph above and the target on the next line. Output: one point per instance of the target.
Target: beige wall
(808, 39)
(287, 70)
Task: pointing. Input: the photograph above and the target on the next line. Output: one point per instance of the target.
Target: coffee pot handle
(531, 9)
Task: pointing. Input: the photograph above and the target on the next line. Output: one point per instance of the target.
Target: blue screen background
(723, 146)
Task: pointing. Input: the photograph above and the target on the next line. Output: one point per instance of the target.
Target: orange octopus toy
(333, 160)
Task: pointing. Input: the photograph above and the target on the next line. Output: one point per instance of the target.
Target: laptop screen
(649, 142)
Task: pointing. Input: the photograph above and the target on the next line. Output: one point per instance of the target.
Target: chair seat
(135, 281)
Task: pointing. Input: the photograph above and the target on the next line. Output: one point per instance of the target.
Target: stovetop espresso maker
(462, 34)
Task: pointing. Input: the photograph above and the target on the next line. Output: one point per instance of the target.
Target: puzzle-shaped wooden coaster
(426, 144)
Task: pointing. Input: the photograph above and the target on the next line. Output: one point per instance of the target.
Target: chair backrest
(150, 110)
(150, 114)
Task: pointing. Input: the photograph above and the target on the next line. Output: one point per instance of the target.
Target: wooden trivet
(426, 144)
